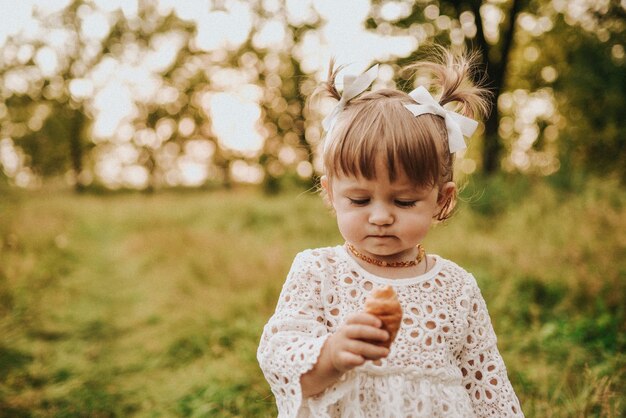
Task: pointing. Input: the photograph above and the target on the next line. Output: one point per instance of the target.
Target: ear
(446, 199)
(327, 190)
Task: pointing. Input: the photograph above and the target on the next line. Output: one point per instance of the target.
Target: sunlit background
(158, 164)
(141, 94)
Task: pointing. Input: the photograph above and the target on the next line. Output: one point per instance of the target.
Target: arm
(294, 335)
(484, 372)
(296, 341)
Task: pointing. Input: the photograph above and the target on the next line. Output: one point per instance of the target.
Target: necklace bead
(381, 263)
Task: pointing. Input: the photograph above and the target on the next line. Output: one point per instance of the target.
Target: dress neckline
(432, 272)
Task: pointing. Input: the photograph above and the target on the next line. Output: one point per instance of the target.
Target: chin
(382, 251)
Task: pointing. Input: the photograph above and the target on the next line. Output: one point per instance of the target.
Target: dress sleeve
(484, 372)
(293, 337)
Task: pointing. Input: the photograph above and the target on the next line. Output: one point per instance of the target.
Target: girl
(388, 161)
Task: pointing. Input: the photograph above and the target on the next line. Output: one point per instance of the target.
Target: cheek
(419, 226)
(348, 224)
(424, 228)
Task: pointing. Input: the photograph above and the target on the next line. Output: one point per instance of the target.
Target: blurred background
(158, 164)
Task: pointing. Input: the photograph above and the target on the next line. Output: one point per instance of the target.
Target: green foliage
(226, 400)
(93, 398)
(589, 85)
(11, 359)
(491, 196)
(139, 305)
(595, 138)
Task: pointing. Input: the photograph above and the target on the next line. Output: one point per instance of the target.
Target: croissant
(383, 303)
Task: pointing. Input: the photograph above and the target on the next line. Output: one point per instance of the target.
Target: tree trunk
(495, 62)
(76, 149)
(299, 75)
(492, 147)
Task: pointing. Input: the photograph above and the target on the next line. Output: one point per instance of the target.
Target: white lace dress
(443, 363)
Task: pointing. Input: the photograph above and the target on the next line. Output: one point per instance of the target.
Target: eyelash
(400, 203)
(406, 204)
(359, 202)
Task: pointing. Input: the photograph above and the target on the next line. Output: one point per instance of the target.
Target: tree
(522, 44)
(43, 116)
(51, 84)
(458, 23)
(587, 79)
(286, 153)
(51, 110)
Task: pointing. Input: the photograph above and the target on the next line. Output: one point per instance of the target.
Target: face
(381, 218)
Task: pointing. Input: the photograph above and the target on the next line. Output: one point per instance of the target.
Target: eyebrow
(404, 190)
(355, 189)
(408, 190)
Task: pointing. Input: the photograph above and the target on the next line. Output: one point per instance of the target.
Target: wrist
(327, 364)
(322, 375)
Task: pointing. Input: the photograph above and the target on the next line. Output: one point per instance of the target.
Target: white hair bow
(457, 125)
(352, 87)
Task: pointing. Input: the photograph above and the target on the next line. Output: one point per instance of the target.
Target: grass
(132, 305)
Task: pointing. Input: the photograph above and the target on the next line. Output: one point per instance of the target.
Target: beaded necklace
(381, 263)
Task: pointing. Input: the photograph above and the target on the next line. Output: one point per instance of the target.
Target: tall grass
(152, 305)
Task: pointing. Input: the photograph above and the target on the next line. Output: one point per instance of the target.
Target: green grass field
(133, 305)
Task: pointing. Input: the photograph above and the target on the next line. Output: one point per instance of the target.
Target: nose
(380, 214)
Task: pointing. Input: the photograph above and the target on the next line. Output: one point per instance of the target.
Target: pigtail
(455, 76)
(329, 86)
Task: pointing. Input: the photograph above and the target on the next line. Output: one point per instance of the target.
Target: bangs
(385, 129)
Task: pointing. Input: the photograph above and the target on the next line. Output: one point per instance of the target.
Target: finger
(347, 360)
(366, 332)
(367, 350)
(364, 318)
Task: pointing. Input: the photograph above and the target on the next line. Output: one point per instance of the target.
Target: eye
(406, 203)
(359, 202)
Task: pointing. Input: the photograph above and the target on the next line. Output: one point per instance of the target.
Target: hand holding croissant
(384, 304)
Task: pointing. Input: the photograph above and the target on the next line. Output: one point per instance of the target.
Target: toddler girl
(388, 162)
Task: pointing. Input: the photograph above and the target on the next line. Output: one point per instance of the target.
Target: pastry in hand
(383, 303)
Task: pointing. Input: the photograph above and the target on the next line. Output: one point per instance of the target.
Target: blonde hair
(377, 125)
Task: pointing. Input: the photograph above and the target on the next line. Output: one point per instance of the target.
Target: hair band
(352, 87)
(457, 125)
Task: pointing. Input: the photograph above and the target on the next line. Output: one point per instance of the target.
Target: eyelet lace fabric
(443, 363)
